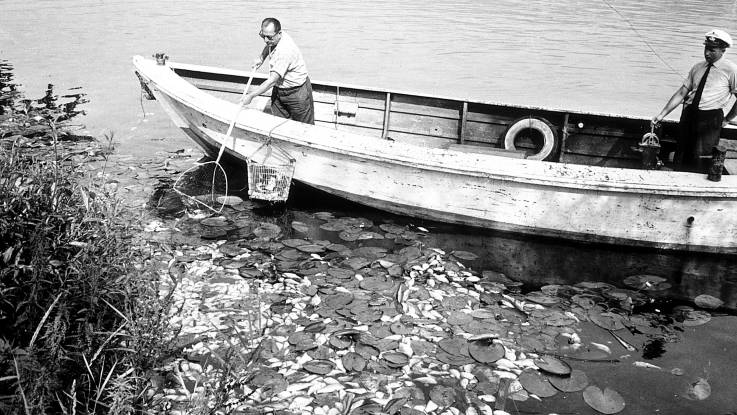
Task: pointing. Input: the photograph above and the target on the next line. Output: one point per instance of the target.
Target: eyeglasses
(268, 37)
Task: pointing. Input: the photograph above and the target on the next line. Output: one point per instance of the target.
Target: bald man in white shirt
(291, 94)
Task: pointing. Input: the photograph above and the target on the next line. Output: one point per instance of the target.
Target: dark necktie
(700, 89)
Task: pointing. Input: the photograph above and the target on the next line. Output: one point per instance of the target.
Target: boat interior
(474, 126)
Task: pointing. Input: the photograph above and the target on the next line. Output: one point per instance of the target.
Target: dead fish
(519, 305)
(646, 365)
(604, 348)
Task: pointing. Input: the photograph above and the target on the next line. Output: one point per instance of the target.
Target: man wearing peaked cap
(708, 105)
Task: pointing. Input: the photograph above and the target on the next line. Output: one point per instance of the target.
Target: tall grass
(81, 318)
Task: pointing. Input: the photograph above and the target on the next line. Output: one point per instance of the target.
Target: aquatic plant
(81, 320)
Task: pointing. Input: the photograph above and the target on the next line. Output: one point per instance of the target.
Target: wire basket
(270, 171)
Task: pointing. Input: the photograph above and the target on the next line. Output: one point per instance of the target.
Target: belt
(291, 88)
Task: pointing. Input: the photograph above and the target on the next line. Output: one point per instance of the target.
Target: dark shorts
(699, 133)
(295, 103)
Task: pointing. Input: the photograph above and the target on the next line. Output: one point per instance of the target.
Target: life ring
(550, 138)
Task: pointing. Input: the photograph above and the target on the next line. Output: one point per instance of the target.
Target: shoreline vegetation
(113, 306)
(81, 321)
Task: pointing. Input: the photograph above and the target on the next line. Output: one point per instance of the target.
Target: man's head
(716, 43)
(270, 31)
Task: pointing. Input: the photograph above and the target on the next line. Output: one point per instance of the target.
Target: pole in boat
(220, 154)
(237, 112)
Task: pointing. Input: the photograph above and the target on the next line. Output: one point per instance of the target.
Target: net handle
(237, 112)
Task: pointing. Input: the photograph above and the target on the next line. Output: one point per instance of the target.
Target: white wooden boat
(445, 159)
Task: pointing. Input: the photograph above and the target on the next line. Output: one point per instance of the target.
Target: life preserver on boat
(551, 142)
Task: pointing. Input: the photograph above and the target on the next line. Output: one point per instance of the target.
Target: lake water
(613, 56)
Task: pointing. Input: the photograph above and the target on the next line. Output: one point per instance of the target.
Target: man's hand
(656, 120)
(246, 100)
(257, 62)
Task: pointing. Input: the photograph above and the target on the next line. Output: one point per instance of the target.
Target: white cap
(718, 34)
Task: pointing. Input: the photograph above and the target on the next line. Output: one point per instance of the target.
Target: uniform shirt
(286, 60)
(720, 85)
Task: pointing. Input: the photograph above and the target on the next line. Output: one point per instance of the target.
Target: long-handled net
(212, 170)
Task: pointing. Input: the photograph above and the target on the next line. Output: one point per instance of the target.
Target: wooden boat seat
(494, 151)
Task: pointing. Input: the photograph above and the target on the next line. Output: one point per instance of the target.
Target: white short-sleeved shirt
(286, 60)
(720, 85)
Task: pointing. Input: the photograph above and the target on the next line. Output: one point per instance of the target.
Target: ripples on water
(570, 54)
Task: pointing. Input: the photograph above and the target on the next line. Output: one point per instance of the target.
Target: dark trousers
(295, 103)
(699, 132)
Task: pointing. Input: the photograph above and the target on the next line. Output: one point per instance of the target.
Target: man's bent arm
(268, 83)
(673, 102)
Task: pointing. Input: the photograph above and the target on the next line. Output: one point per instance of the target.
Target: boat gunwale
(242, 73)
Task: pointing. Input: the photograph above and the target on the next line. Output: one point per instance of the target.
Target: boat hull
(582, 203)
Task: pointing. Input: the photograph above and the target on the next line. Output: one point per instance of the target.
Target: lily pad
(536, 383)
(376, 284)
(552, 364)
(707, 301)
(341, 273)
(443, 396)
(302, 340)
(400, 328)
(348, 236)
(311, 248)
(607, 401)
(459, 318)
(353, 362)
(696, 318)
(607, 320)
(457, 346)
(575, 382)
(293, 243)
(267, 230)
(699, 390)
(485, 351)
(367, 351)
(319, 367)
(300, 227)
(337, 248)
(455, 360)
(395, 359)
(339, 300)
(468, 256)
